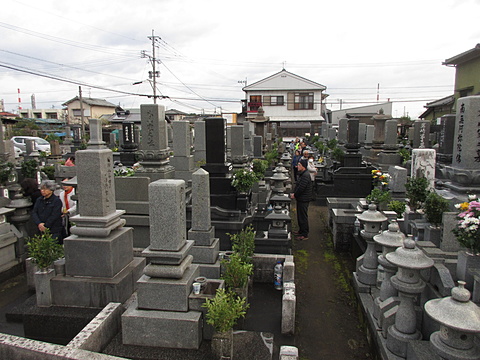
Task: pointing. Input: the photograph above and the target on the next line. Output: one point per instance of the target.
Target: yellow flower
(464, 206)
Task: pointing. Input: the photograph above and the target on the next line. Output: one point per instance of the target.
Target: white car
(40, 144)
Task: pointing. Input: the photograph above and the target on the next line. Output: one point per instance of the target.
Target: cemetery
(186, 228)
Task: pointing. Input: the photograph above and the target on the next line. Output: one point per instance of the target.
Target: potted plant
(416, 192)
(223, 311)
(379, 197)
(243, 180)
(467, 232)
(44, 250)
(399, 208)
(434, 207)
(236, 273)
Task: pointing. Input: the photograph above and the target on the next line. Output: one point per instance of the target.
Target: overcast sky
(206, 47)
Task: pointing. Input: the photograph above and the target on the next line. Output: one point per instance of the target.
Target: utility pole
(81, 111)
(154, 74)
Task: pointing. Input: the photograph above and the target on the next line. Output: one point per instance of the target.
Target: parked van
(40, 144)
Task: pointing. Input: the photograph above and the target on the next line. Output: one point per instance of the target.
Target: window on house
(273, 100)
(52, 116)
(303, 101)
(37, 115)
(255, 102)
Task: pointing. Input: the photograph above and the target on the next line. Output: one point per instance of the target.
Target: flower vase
(42, 287)
(466, 261)
(222, 345)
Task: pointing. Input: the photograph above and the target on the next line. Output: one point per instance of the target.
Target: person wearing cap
(47, 211)
(303, 196)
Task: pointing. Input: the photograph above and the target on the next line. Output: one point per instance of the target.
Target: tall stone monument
(99, 263)
(154, 151)
(160, 315)
(182, 159)
(206, 248)
(464, 173)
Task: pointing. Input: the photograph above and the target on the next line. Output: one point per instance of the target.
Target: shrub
(434, 207)
(49, 171)
(243, 243)
(224, 310)
(397, 206)
(259, 167)
(416, 191)
(236, 271)
(243, 180)
(29, 169)
(44, 249)
(6, 172)
(378, 196)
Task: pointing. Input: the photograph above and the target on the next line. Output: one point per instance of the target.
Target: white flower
(472, 197)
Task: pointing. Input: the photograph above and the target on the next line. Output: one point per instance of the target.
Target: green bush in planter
(416, 191)
(44, 249)
(259, 167)
(224, 310)
(434, 207)
(378, 196)
(243, 243)
(397, 206)
(236, 271)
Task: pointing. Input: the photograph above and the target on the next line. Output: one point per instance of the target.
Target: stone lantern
(390, 240)
(279, 218)
(410, 260)
(286, 158)
(280, 168)
(372, 220)
(279, 179)
(20, 206)
(459, 320)
(281, 199)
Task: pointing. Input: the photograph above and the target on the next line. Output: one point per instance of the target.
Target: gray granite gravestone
(342, 131)
(257, 147)
(182, 160)
(362, 133)
(199, 142)
(445, 140)
(423, 164)
(206, 248)
(421, 134)
(464, 173)
(99, 263)
(238, 153)
(160, 315)
(153, 153)
(389, 155)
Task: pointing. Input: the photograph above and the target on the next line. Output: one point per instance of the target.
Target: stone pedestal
(162, 305)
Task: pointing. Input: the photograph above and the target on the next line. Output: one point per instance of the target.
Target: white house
(294, 103)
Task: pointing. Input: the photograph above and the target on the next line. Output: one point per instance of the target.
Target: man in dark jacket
(303, 196)
(47, 211)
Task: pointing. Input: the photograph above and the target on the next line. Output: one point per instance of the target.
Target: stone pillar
(423, 165)
(163, 290)
(206, 247)
(421, 134)
(379, 124)
(238, 145)
(99, 263)
(257, 147)
(410, 260)
(342, 131)
(182, 160)
(369, 136)
(96, 141)
(129, 144)
(362, 133)
(199, 142)
(154, 150)
(464, 172)
(445, 141)
(389, 155)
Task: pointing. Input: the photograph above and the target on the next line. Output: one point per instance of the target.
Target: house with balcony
(92, 109)
(295, 104)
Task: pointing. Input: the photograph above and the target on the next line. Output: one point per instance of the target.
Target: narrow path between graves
(328, 317)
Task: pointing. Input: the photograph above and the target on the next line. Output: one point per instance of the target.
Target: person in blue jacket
(47, 211)
(295, 160)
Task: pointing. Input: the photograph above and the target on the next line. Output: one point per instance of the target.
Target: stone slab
(180, 330)
(166, 294)
(168, 257)
(210, 271)
(206, 254)
(98, 257)
(168, 271)
(97, 292)
(202, 237)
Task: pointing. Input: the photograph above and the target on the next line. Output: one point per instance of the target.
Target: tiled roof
(92, 102)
